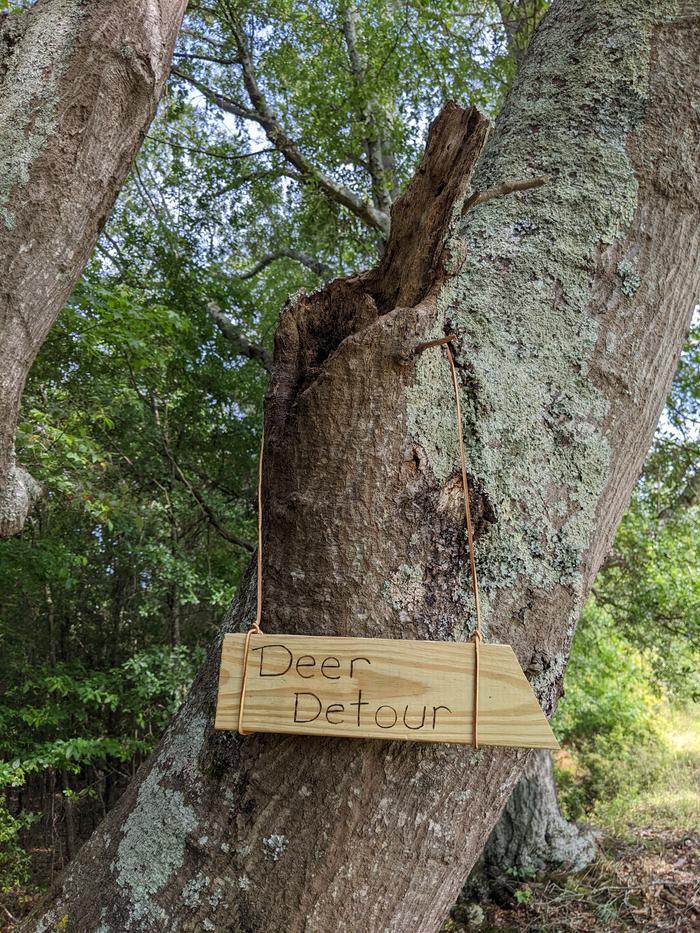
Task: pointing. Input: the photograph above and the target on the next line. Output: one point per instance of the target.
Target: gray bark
(570, 304)
(532, 833)
(79, 84)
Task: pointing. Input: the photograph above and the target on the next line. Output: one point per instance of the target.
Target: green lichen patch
(28, 105)
(193, 890)
(631, 281)
(274, 846)
(148, 860)
(521, 300)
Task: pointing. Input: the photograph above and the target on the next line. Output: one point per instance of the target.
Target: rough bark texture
(570, 304)
(532, 833)
(79, 84)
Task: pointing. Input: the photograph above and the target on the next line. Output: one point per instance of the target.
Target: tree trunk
(68, 816)
(531, 833)
(79, 85)
(570, 304)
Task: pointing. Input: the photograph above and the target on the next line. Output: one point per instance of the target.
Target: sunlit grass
(684, 726)
(663, 786)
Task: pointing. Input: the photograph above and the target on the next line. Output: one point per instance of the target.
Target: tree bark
(532, 833)
(79, 85)
(570, 303)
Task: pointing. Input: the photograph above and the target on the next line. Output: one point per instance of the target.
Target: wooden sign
(378, 688)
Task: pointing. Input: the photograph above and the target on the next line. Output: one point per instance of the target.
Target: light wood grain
(412, 690)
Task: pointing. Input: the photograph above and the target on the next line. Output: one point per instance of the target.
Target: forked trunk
(570, 304)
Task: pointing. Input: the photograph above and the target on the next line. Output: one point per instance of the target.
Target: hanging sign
(379, 688)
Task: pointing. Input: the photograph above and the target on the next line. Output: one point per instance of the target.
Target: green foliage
(523, 895)
(661, 793)
(625, 759)
(14, 861)
(609, 692)
(652, 591)
(66, 717)
(411, 58)
(609, 712)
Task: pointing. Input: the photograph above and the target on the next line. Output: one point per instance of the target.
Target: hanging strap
(256, 626)
(476, 635)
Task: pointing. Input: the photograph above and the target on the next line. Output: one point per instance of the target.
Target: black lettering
(299, 664)
(352, 662)
(296, 707)
(334, 708)
(405, 721)
(435, 709)
(335, 667)
(358, 703)
(391, 724)
(267, 648)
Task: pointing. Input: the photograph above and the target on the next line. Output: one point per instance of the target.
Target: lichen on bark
(146, 862)
(36, 60)
(519, 296)
(18, 493)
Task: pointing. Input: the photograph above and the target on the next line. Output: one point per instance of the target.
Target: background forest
(287, 131)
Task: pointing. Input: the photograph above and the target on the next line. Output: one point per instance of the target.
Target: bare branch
(240, 342)
(188, 56)
(519, 20)
(263, 114)
(204, 506)
(320, 268)
(225, 103)
(367, 113)
(506, 187)
(208, 511)
(686, 499)
(210, 152)
(256, 176)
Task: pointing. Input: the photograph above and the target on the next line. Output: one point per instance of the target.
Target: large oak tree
(570, 304)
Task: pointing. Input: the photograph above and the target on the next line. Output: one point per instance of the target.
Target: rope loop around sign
(256, 626)
(476, 635)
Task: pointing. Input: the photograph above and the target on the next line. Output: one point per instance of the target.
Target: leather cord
(256, 626)
(476, 635)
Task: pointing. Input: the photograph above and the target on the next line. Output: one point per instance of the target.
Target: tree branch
(519, 20)
(241, 344)
(263, 114)
(367, 112)
(204, 506)
(686, 499)
(225, 103)
(188, 56)
(506, 187)
(174, 144)
(320, 268)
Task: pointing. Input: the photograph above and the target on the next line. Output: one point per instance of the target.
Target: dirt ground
(649, 884)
